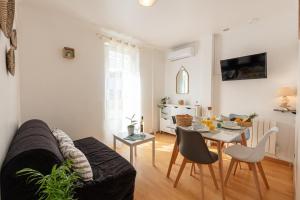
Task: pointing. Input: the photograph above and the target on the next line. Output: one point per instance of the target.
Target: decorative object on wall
(68, 53)
(13, 39)
(10, 61)
(182, 81)
(285, 93)
(7, 14)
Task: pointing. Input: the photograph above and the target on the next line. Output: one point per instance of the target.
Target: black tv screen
(246, 67)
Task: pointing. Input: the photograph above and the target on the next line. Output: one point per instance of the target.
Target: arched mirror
(182, 81)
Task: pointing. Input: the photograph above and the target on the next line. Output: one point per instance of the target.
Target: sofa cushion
(114, 176)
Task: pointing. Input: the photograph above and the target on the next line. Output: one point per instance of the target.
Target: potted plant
(132, 124)
(59, 184)
(163, 102)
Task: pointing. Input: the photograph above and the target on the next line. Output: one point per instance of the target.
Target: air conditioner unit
(181, 53)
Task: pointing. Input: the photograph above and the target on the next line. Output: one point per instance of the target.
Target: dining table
(219, 136)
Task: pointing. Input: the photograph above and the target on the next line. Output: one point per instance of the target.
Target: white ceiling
(172, 22)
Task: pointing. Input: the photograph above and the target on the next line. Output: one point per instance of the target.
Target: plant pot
(130, 130)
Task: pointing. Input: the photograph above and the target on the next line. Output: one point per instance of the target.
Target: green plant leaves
(60, 184)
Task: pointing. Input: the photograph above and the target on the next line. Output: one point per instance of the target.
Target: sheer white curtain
(122, 86)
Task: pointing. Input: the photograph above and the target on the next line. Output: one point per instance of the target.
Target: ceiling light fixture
(147, 3)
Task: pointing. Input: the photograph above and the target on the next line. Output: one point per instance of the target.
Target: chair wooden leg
(173, 158)
(180, 171)
(222, 144)
(240, 165)
(192, 168)
(262, 173)
(236, 166)
(221, 172)
(229, 171)
(211, 169)
(253, 167)
(202, 181)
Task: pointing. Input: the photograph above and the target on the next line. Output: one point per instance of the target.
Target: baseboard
(278, 161)
(162, 132)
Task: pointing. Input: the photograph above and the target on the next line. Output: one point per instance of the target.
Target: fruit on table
(249, 119)
(238, 120)
(212, 127)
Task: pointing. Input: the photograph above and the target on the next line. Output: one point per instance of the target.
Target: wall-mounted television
(246, 67)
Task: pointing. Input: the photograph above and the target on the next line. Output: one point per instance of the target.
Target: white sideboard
(169, 110)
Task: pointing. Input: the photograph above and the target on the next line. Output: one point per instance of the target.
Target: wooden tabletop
(222, 134)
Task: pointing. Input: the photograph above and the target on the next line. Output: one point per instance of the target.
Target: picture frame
(68, 53)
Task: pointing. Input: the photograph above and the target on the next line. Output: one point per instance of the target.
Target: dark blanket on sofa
(35, 147)
(114, 177)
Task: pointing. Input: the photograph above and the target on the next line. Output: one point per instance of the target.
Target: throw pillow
(80, 163)
(62, 137)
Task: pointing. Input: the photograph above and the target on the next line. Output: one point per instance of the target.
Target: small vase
(130, 130)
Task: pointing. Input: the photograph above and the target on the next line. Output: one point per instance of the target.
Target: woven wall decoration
(10, 61)
(7, 14)
(13, 39)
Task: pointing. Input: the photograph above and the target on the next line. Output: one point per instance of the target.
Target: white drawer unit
(169, 110)
(164, 124)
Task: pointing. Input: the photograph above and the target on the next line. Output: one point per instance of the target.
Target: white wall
(297, 139)
(69, 94)
(9, 99)
(158, 85)
(65, 93)
(199, 68)
(152, 86)
(278, 37)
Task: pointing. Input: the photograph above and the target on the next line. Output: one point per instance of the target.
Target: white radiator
(259, 128)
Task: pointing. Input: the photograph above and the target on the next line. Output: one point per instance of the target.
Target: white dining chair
(252, 156)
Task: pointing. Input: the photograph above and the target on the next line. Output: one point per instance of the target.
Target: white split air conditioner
(181, 53)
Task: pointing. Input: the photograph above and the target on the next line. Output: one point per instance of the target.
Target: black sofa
(34, 146)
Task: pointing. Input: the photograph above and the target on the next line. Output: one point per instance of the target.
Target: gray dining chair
(194, 150)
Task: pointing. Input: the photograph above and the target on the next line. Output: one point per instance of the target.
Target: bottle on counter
(209, 112)
(142, 125)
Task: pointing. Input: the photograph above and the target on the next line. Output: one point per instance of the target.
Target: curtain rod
(102, 36)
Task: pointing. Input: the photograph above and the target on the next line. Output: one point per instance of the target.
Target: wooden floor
(152, 184)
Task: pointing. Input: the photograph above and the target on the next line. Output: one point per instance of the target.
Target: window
(122, 86)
